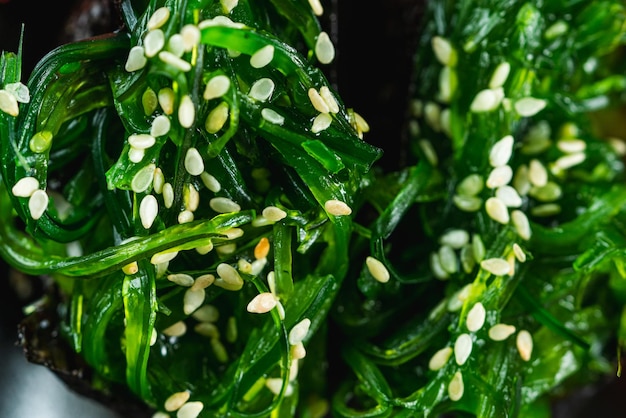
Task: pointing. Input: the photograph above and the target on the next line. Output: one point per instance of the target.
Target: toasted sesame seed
(298, 351)
(168, 195)
(316, 6)
(497, 210)
(25, 187)
(229, 274)
(337, 208)
(40, 142)
(444, 51)
(478, 248)
(471, 185)
(321, 122)
(570, 160)
(8, 103)
(618, 145)
(455, 387)
(429, 151)
(499, 176)
(262, 57)
(158, 18)
(193, 299)
(176, 400)
(324, 48)
(501, 151)
(148, 210)
(185, 216)
(529, 106)
(520, 255)
(136, 59)
(177, 329)
(141, 141)
(181, 279)
(190, 410)
(166, 100)
(448, 259)
(500, 332)
(524, 343)
(262, 303)
(509, 196)
(272, 116)
(262, 89)
(220, 21)
(436, 267)
(153, 42)
(299, 331)
(274, 214)
(440, 358)
(432, 114)
(224, 205)
(462, 348)
(143, 179)
(163, 257)
(262, 249)
(455, 238)
(496, 266)
(547, 209)
(317, 101)
(38, 203)
(377, 269)
(216, 87)
(521, 224)
(486, 100)
(207, 313)
(130, 268)
(537, 173)
(191, 36)
(476, 317)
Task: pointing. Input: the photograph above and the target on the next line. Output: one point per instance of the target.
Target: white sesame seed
(500, 332)
(190, 410)
(262, 89)
(436, 267)
(224, 205)
(272, 116)
(233, 233)
(555, 30)
(486, 100)
(317, 101)
(271, 281)
(521, 224)
(524, 343)
(168, 195)
(568, 161)
(521, 182)
(432, 114)
(529, 106)
(216, 118)
(321, 122)
(8, 103)
(191, 36)
(216, 87)
(462, 348)
(497, 210)
(158, 18)
(136, 59)
(193, 299)
(207, 313)
(537, 173)
(166, 100)
(40, 142)
(618, 145)
(547, 209)
(499, 176)
(163, 257)
(478, 248)
(471, 185)
(275, 385)
(148, 210)
(444, 51)
(520, 255)
(141, 141)
(143, 179)
(297, 351)
(262, 57)
(324, 49)
(153, 42)
(244, 266)
(467, 203)
(220, 21)
(496, 266)
(229, 5)
(191, 197)
(459, 297)
(136, 155)
(547, 193)
(262, 303)
(181, 279)
(193, 162)
(455, 387)
(377, 269)
(337, 208)
(360, 123)
(186, 112)
(160, 414)
(149, 101)
(185, 216)
(330, 99)
(25, 187)
(229, 274)
(448, 259)
(501, 151)
(571, 145)
(160, 126)
(509, 196)
(316, 6)
(447, 84)
(500, 74)
(455, 238)
(204, 249)
(176, 44)
(429, 151)
(476, 317)
(210, 182)
(440, 358)
(177, 329)
(274, 214)
(203, 281)
(176, 400)
(299, 331)
(175, 61)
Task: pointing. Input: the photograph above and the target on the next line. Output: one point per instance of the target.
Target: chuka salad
(224, 242)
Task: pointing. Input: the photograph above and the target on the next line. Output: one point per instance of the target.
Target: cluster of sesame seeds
(11, 95)
(325, 103)
(28, 187)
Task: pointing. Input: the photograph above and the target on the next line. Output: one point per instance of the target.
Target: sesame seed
(136, 59)
(191, 36)
(299, 331)
(262, 249)
(524, 343)
(190, 410)
(160, 414)
(229, 5)
(193, 162)
(172, 59)
(204, 248)
(467, 203)
(158, 18)
(275, 385)
(429, 151)
(444, 51)
(141, 141)
(500, 332)
(471, 185)
(231, 329)
(177, 329)
(203, 281)
(216, 87)
(293, 370)
(330, 99)
(555, 30)
(219, 351)
(193, 299)
(476, 317)
(547, 193)
(316, 6)
(262, 57)
(571, 145)
(176, 400)
(445, 123)
(537, 173)
(496, 266)
(136, 155)
(455, 238)
(272, 116)
(448, 259)
(149, 101)
(520, 255)
(486, 100)
(271, 281)
(457, 300)
(478, 248)
(317, 101)
(130, 268)
(233, 233)
(19, 90)
(244, 266)
(224, 250)
(501, 151)
(262, 89)
(207, 313)
(499, 176)
(262, 303)
(40, 142)
(8, 103)
(274, 214)
(168, 195)
(220, 21)
(158, 181)
(324, 48)
(185, 216)
(568, 161)
(176, 44)
(547, 209)
(38, 203)
(321, 122)
(224, 205)
(25, 187)
(497, 210)
(618, 145)
(462, 348)
(440, 358)
(207, 329)
(166, 100)
(467, 258)
(258, 265)
(529, 106)
(229, 274)
(337, 208)
(181, 279)
(377, 269)
(521, 182)
(436, 267)
(143, 179)
(500, 74)
(455, 387)
(297, 351)
(521, 224)
(432, 114)
(163, 257)
(361, 124)
(153, 42)
(160, 126)
(148, 210)
(509, 196)
(186, 112)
